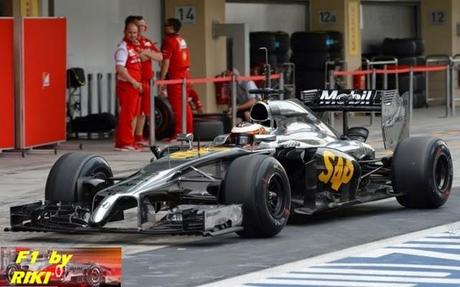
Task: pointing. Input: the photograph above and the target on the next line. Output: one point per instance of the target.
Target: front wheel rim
(275, 196)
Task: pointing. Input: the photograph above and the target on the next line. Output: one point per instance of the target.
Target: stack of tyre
(409, 52)
(277, 44)
(310, 53)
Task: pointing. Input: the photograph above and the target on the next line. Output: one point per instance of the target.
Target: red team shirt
(175, 49)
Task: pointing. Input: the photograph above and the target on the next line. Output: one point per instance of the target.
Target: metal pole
(184, 106)
(411, 92)
(234, 96)
(385, 78)
(452, 89)
(153, 94)
(374, 87)
(449, 104)
(331, 86)
(109, 93)
(281, 86)
(89, 107)
(99, 93)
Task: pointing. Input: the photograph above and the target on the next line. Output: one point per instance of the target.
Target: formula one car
(287, 160)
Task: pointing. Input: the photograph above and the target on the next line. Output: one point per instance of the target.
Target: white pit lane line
(438, 262)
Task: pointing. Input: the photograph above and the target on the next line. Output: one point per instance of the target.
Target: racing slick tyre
(310, 61)
(10, 269)
(316, 41)
(164, 118)
(262, 40)
(261, 184)
(422, 172)
(64, 180)
(282, 42)
(93, 276)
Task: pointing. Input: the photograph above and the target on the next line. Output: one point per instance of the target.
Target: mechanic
(176, 65)
(244, 100)
(129, 86)
(148, 52)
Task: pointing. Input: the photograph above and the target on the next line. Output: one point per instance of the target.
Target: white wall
(95, 27)
(268, 17)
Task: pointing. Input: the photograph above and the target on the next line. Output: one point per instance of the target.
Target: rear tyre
(65, 183)
(422, 172)
(260, 183)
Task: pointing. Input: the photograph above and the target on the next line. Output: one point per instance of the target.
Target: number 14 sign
(186, 14)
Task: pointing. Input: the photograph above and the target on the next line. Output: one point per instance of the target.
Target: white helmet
(243, 133)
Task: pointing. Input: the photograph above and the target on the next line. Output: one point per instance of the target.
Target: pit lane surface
(191, 260)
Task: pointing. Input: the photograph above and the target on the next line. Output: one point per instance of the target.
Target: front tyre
(260, 183)
(422, 172)
(67, 177)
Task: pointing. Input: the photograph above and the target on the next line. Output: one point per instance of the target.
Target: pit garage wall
(440, 39)
(96, 27)
(208, 54)
(289, 18)
(347, 22)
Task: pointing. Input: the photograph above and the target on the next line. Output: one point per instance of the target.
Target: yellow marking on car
(339, 170)
(189, 154)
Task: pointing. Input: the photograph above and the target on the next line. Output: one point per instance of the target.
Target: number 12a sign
(186, 14)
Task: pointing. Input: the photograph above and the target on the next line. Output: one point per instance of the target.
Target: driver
(243, 133)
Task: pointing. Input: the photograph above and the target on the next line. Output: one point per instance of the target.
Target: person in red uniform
(148, 52)
(176, 65)
(129, 76)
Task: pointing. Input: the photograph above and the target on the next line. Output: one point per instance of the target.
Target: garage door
(382, 21)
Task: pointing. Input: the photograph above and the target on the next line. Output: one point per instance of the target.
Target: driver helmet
(243, 133)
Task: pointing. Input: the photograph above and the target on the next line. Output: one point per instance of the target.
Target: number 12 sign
(186, 14)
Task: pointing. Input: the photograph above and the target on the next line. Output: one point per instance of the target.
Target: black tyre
(419, 82)
(422, 172)
(282, 42)
(412, 61)
(94, 123)
(10, 269)
(259, 40)
(402, 48)
(282, 58)
(207, 130)
(224, 118)
(164, 118)
(310, 61)
(94, 276)
(258, 59)
(316, 41)
(64, 180)
(419, 100)
(260, 183)
(305, 80)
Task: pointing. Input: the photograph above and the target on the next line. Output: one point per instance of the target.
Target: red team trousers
(129, 99)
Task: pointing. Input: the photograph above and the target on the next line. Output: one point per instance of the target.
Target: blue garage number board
(186, 14)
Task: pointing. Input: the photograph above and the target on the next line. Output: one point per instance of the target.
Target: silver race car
(286, 160)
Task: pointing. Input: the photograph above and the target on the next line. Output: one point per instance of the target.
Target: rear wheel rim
(275, 196)
(441, 173)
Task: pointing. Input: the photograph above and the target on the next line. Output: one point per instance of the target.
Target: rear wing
(346, 100)
(393, 107)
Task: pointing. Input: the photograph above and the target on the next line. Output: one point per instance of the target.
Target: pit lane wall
(6, 85)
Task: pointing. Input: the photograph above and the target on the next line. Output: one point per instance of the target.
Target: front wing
(207, 220)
